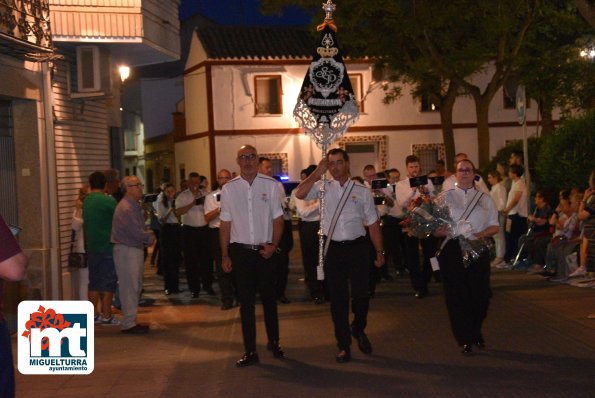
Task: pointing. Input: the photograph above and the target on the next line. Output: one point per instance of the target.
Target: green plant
(567, 157)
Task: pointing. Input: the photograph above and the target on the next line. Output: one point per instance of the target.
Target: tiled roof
(244, 42)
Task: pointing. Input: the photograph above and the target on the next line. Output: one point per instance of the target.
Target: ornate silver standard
(326, 106)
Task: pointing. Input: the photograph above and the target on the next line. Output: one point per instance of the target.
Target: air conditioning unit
(93, 71)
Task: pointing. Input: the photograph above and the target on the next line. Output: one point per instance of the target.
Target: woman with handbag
(169, 239)
(78, 266)
(466, 279)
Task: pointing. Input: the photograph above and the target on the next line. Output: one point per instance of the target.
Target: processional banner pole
(326, 106)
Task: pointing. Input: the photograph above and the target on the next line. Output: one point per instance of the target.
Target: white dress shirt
(195, 217)
(251, 209)
(395, 210)
(359, 210)
(211, 204)
(483, 215)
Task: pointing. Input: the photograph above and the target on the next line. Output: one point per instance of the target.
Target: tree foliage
(566, 158)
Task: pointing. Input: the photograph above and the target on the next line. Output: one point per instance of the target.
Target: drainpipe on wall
(49, 209)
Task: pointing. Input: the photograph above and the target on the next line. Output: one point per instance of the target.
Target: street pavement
(540, 343)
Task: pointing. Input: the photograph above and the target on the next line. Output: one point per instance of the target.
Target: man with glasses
(250, 233)
(130, 237)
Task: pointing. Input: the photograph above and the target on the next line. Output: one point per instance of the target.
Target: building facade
(61, 118)
(241, 85)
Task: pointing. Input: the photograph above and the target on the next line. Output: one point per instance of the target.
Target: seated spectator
(586, 214)
(566, 242)
(540, 235)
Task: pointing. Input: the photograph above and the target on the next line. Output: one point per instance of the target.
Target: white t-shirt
(521, 207)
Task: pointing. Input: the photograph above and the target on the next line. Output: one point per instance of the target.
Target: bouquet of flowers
(426, 215)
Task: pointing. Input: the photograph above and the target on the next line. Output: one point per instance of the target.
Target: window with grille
(268, 95)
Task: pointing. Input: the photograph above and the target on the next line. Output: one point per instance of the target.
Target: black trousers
(225, 279)
(346, 265)
(419, 271)
(392, 235)
(197, 258)
(254, 273)
(467, 292)
(308, 232)
(282, 259)
(518, 227)
(7, 381)
(169, 256)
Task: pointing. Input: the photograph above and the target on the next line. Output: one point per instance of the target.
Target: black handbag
(76, 260)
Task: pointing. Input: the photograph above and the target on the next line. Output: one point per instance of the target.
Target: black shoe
(362, 342)
(137, 329)
(480, 343)
(343, 356)
(227, 306)
(421, 294)
(210, 291)
(467, 349)
(167, 292)
(194, 294)
(318, 300)
(274, 347)
(283, 300)
(248, 359)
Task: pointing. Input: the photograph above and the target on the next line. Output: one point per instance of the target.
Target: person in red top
(12, 268)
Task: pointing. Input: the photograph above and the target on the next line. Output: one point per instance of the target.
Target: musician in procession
(466, 275)
(349, 208)
(195, 238)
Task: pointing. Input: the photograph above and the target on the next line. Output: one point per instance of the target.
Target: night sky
(241, 12)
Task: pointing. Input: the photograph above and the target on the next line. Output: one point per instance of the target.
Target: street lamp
(124, 72)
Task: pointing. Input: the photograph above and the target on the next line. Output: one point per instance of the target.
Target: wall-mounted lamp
(124, 72)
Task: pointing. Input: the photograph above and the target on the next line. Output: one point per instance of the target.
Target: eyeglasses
(136, 185)
(464, 170)
(248, 156)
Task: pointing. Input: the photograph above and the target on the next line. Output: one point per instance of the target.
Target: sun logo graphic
(56, 337)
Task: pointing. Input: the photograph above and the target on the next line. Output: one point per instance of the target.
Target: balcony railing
(25, 26)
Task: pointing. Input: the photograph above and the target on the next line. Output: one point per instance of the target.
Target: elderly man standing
(250, 232)
(350, 208)
(130, 238)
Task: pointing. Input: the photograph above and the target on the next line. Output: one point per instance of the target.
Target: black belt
(356, 241)
(246, 246)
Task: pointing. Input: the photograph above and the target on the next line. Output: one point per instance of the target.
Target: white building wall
(234, 116)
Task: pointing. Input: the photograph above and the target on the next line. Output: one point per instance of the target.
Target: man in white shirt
(406, 195)
(197, 253)
(250, 232)
(391, 225)
(212, 211)
(309, 224)
(346, 262)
